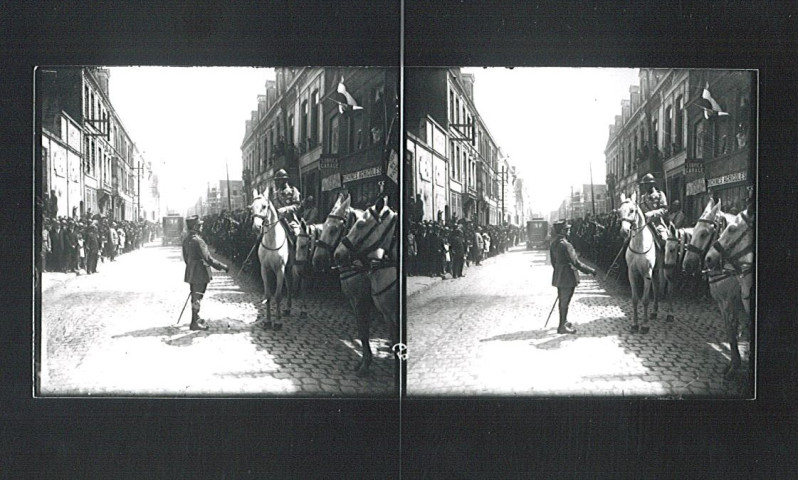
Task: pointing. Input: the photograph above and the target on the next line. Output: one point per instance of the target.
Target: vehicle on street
(537, 234)
(172, 229)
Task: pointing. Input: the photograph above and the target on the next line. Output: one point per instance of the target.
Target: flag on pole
(709, 105)
(351, 103)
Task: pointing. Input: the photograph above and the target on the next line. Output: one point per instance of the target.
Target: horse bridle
(357, 247)
(265, 228)
(311, 246)
(331, 247)
(726, 252)
(632, 222)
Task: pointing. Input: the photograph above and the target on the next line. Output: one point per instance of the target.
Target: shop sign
(693, 168)
(730, 178)
(331, 182)
(393, 166)
(328, 164)
(696, 186)
(361, 174)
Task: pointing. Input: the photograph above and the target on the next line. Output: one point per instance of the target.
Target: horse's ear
(716, 208)
(623, 197)
(380, 204)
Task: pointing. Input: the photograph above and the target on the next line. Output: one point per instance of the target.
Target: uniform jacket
(198, 260)
(458, 247)
(92, 242)
(677, 219)
(288, 196)
(654, 204)
(565, 263)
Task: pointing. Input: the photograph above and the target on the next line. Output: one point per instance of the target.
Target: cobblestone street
(114, 334)
(483, 335)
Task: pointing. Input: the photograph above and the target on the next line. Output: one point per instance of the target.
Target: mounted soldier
(287, 201)
(654, 205)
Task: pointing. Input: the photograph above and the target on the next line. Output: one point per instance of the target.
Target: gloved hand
(225, 268)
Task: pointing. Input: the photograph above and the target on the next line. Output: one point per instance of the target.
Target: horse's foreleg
(730, 319)
(267, 288)
(646, 293)
(278, 298)
(363, 317)
(633, 287)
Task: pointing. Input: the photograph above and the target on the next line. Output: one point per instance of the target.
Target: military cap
(193, 221)
(560, 226)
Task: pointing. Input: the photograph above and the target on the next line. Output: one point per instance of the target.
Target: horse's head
(371, 235)
(704, 231)
(735, 243)
(672, 250)
(332, 231)
(261, 209)
(627, 214)
(304, 244)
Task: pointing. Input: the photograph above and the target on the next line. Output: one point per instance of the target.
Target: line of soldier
(70, 245)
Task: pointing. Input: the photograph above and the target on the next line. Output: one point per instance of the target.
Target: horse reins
(632, 222)
(734, 259)
(331, 247)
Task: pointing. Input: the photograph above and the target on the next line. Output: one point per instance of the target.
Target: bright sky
(187, 122)
(552, 122)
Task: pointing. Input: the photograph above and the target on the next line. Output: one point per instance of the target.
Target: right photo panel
(580, 232)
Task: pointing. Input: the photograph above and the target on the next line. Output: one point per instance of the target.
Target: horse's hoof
(669, 318)
(277, 326)
(361, 371)
(644, 329)
(267, 325)
(634, 328)
(287, 313)
(653, 316)
(303, 314)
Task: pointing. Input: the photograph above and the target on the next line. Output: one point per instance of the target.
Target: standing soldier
(565, 278)
(654, 205)
(198, 272)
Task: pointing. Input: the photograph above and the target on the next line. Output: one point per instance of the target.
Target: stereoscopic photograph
(580, 232)
(216, 231)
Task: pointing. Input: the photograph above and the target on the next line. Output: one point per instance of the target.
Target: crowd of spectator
(440, 249)
(75, 244)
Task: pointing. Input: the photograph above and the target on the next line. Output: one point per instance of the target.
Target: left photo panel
(216, 232)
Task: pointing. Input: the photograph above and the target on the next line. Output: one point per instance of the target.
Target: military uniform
(654, 206)
(198, 272)
(565, 276)
(287, 202)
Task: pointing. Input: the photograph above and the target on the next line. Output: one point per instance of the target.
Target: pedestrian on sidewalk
(198, 272)
(565, 277)
(92, 249)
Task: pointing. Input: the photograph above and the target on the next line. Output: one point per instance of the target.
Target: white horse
(301, 270)
(273, 253)
(354, 281)
(724, 288)
(373, 241)
(730, 262)
(641, 259)
(673, 254)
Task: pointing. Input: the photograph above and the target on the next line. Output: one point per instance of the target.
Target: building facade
(326, 140)
(440, 108)
(216, 200)
(89, 162)
(668, 128)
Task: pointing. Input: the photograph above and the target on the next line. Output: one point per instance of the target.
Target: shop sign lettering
(360, 174)
(730, 178)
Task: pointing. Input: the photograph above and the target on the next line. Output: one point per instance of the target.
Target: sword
(184, 309)
(551, 311)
